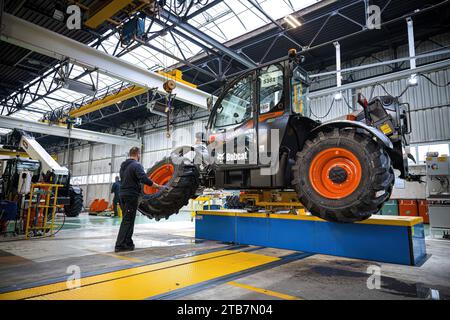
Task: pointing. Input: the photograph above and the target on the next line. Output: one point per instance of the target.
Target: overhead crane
(30, 36)
(122, 94)
(108, 100)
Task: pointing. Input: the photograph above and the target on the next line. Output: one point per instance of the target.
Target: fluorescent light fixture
(157, 108)
(292, 21)
(78, 86)
(413, 81)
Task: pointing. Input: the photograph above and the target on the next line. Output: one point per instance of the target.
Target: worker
(115, 189)
(201, 150)
(132, 174)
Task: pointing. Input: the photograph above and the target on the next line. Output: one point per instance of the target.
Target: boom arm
(37, 152)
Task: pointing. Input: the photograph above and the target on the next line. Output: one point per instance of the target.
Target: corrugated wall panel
(324, 109)
(80, 169)
(157, 145)
(101, 151)
(101, 166)
(429, 105)
(430, 125)
(121, 151)
(150, 158)
(81, 154)
(117, 162)
(403, 51)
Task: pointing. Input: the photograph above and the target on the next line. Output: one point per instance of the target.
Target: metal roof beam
(203, 9)
(25, 34)
(383, 78)
(53, 130)
(182, 24)
(275, 22)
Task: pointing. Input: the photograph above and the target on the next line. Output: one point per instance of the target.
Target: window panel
(236, 106)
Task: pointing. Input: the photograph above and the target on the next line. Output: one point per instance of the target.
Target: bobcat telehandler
(260, 137)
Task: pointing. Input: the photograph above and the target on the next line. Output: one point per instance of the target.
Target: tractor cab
(16, 173)
(249, 124)
(261, 93)
(253, 112)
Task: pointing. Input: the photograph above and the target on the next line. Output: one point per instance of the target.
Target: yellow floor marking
(46, 289)
(146, 281)
(158, 282)
(264, 291)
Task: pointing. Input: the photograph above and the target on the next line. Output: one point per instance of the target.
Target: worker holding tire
(132, 174)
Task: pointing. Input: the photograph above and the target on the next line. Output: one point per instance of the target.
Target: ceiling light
(292, 21)
(77, 86)
(413, 81)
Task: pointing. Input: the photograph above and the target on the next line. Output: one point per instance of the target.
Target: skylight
(223, 22)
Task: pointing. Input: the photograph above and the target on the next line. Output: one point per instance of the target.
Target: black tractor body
(260, 136)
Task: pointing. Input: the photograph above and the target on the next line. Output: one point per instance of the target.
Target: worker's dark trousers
(129, 209)
(116, 202)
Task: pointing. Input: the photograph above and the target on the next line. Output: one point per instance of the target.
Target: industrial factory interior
(227, 153)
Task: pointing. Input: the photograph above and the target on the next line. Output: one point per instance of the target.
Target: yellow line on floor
(147, 281)
(60, 286)
(264, 291)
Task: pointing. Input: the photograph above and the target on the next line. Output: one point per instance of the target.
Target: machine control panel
(438, 165)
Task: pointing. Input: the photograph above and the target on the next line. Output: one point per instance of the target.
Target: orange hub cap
(160, 176)
(335, 173)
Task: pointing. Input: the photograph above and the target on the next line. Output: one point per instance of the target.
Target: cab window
(236, 105)
(271, 88)
(300, 91)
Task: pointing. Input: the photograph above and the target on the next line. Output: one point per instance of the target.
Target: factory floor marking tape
(146, 281)
(264, 291)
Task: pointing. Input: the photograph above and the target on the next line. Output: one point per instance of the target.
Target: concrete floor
(88, 242)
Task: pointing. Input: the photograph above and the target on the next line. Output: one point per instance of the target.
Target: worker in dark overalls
(115, 189)
(132, 175)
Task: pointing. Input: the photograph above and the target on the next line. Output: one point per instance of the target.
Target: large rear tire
(343, 176)
(75, 206)
(181, 179)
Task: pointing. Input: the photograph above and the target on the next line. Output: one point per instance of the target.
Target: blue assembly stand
(390, 239)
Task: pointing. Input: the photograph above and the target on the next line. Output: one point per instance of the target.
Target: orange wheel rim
(335, 173)
(160, 176)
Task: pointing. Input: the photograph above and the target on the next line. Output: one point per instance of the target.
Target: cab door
(272, 115)
(232, 131)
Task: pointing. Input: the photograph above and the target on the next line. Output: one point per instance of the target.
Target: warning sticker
(386, 128)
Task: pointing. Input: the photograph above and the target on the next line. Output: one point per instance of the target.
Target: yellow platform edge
(378, 220)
